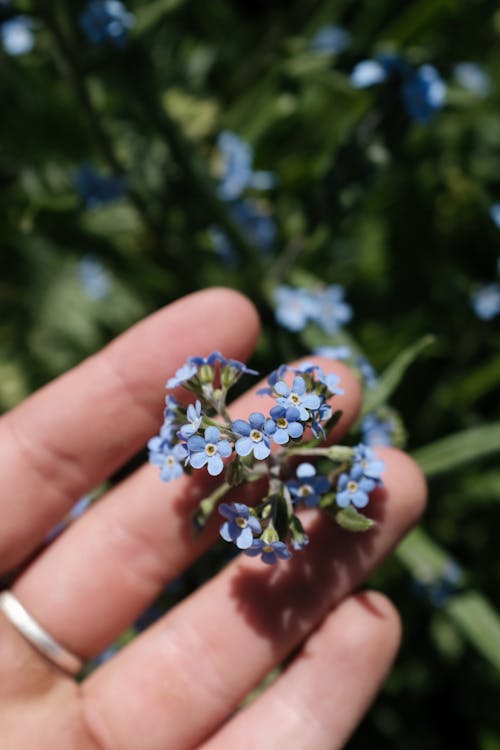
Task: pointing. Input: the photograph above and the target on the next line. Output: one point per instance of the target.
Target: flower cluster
(422, 90)
(325, 306)
(201, 435)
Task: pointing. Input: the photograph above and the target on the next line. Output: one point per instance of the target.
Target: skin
(178, 684)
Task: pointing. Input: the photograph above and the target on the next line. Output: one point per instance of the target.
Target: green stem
(207, 505)
(338, 453)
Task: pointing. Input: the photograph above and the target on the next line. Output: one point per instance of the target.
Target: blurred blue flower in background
(97, 189)
(17, 35)
(106, 21)
(237, 168)
(486, 301)
(495, 214)
(472, 77)
(368, 73)
(333, 352)
(377, 431)
(423, 91)
(326, 307)
(94, 278)
(331, 40)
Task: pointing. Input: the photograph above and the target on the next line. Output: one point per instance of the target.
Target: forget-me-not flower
(486, 301)
(194, 417)
(106, 21)
(284, 423)
(372, 466)
(94, 278)
(297, 396)
(472, 77)
(240, 525)
(353, 488)
(96, 189)
(208, 451)
(307, 487)
(377, 431)
(169, 459)
(331, 40)
(270, 552)
(254, 436)
(17, 35)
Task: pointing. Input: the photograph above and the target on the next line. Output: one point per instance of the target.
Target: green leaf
(151, 14)
(469, 611)
(351, 520)
(459, 449)
(479, 622)
(393, 374)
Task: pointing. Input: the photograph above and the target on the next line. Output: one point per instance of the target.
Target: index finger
(73, 433)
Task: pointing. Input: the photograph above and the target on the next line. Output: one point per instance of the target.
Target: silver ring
(37, 636)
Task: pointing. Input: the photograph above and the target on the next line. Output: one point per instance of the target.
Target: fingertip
(381, 608)
(405, 480)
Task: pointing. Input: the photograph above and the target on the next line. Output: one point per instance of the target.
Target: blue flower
(167, 457)
(473, 78)
(208, 451)
(294, 307)
(308, 487)
(332, 311)
(284, 424)
(376, 431)
(238, 173)
(422, 89)
(353, 488)
(331, 39)
(182, 375)
(371, 466)
(297, 396)
(94, 278)
(106, 21)
(257, 225)
(495, 214)
(255, 439)
(331, 381)
(194, 417)
(240, 525)
(424, 93)
(237, 166)
(367, 372)
(486, 301)
(17, 35)
(333, 352)
(368, 73)
(269, 551)
(95, 189)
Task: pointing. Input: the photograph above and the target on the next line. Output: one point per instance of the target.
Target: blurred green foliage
(396, 212)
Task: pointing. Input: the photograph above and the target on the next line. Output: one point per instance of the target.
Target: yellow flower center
(169, 461)
(282, 422)
(241, 522)
(294, 398)
(267, 548)
(256, 436)
(210, 449)
(352, 486)
(305, 490)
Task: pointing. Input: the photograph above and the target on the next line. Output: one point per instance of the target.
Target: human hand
(178, 684)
